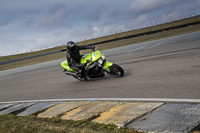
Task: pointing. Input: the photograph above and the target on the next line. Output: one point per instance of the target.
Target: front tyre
(116, 71)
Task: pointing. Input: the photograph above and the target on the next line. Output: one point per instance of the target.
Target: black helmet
(71, 45)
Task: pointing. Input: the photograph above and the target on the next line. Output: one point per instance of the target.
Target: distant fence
(106, 41)
(148, 33)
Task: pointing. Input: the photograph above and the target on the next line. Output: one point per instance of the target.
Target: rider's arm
(82, 47)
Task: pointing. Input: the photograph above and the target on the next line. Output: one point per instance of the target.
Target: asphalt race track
(166, 68)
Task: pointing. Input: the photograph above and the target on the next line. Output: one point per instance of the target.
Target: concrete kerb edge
(125, 123)
(164, 100)
(128, 122)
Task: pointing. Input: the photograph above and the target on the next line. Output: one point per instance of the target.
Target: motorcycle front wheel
(116, 71)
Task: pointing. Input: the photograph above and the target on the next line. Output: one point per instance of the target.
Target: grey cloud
(117, 15)
(57, 34)
(97, 13)
(62, 14)
(87, 31)
(55, 16)
(115, 12)
(90, 31)
(134, 22)
(4, 22)
(150, 5)
(59, 6)
(82, 19)
(29, 21)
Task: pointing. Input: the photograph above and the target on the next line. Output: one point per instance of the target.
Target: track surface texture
(165, 68)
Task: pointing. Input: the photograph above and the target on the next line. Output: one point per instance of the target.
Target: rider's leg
(86, 74)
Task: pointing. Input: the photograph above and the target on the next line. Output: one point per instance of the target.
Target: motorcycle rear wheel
(116, 71)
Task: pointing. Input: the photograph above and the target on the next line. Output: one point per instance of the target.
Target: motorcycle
(96, 67)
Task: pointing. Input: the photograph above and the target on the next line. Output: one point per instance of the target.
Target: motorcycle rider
(73, 57)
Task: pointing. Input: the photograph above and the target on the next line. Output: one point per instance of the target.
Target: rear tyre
(116, 71)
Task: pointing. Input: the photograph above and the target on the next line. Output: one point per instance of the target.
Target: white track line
(164, 100)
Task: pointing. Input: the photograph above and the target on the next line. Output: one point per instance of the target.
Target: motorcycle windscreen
(96, 55)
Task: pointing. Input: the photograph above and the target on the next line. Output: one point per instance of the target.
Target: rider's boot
(86, 75)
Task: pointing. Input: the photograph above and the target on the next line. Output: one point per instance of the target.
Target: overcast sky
(34, 24)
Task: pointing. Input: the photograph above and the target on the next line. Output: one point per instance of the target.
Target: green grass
(109, 45)
(3, 58)
(196, 129)
(29, 124)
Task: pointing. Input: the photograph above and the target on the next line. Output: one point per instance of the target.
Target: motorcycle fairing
(85, 58)
(64, 64)
(107, 65)
(93, 57)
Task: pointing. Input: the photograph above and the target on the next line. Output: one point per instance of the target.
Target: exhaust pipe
(70, 73)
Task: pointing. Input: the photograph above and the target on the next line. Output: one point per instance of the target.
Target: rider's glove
(93, 48)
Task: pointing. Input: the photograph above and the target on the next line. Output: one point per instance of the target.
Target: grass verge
(29, 124)
(196, 129)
